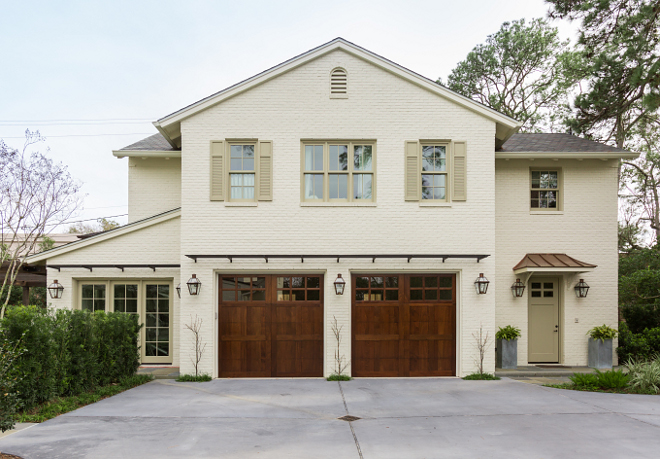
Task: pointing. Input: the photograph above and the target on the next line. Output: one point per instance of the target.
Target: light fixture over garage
(481, 284)
(340, 284)
(581, 289)
(517, 288)
(55, 290)
(194, 285)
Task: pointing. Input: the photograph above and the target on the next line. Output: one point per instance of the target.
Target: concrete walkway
(400, 418)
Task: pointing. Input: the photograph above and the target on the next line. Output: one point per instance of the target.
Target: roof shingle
(154, 142)
(555, 142)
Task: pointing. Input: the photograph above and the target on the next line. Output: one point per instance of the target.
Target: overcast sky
(92, 75)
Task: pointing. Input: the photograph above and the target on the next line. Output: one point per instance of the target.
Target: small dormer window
(338, 84)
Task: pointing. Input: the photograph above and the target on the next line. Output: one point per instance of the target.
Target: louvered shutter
(217, 171)
(459, 173)
(412, 172)
(265, 191)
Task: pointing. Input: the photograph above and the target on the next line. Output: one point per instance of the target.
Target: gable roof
(170, 125)
(558, 145)
(105, 235)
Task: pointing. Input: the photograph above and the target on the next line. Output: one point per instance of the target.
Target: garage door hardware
(349, 418)
(338, 257)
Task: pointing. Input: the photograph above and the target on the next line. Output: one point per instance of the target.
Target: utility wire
(84, 135)
(87, 220)
(80, 121)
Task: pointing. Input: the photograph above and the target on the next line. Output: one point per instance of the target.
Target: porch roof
(551, 262)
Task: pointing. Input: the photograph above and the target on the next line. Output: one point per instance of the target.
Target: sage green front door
(543, 320)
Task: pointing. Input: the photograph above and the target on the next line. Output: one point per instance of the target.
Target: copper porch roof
(550, 260)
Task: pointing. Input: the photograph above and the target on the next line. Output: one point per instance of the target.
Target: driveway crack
(350, 423)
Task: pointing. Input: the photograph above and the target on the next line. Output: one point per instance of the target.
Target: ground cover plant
(194, 378)
(481, 376)
(641, 377)
(336, 377)
(61, 405)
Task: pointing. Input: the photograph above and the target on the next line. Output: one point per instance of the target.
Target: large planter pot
(600, 353)
(506, 356)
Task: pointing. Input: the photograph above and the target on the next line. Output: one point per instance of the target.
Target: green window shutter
(217, 171)
(412, 172)
(459, 172)
(265, 191)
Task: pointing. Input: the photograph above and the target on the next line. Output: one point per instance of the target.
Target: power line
(84, 135)
(88, 220)
(79, 121)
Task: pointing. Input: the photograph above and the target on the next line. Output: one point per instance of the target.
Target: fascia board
(565, 155)
(146, 153)
(552, 270)
(102, 237)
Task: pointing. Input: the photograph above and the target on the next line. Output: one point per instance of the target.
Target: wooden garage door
(271, 326)
(404, 325)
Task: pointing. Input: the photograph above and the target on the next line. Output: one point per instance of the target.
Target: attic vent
(339, 83)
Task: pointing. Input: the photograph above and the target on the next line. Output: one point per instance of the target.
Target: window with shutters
(241, 171)
(435, 171)
(338, 84)
(338, 171)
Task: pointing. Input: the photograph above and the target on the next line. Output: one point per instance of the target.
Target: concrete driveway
(400, 418)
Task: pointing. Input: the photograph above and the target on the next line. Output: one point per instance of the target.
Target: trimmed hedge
(70, 352)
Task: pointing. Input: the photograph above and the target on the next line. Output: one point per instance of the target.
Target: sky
(91, 75)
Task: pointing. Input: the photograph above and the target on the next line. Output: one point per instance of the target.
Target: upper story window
(338, 171)
(435, 171)
(338, 84)
(241, 172)
(545, 192)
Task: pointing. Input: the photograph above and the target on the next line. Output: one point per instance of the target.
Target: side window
(93, 297)
(338, 171)
(241, 171)
(435, 171)
(545, 190)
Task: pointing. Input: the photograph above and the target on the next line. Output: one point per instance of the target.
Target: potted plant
(506, 351)
(600, 346)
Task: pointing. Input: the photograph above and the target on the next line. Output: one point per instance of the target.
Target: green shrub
(481, 376)
(602, 333)
(639, 317)
(9, 381)
(336, 377)
(644, 376)
(612, 379)
(637, 346)
(584, 380)
(70, 352)
(194, 378)
(508, 333)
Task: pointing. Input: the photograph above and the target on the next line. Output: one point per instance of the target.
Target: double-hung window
(241, 172)
(545, 189)
(434, 172)
(338, 171)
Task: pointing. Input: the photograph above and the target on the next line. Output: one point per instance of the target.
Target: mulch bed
(9, 456)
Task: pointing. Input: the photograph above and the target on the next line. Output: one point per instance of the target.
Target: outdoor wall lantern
(581, 289)
(481, 284)
(340, 283)
(178, 290)
(194, 285)
(55, 290)
(517, 289)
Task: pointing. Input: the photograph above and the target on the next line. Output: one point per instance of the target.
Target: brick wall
(154, 185)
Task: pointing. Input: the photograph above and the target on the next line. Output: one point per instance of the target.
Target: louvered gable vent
(339, 83)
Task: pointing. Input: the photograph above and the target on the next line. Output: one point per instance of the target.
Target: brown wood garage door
(270, 326)
(404, 325)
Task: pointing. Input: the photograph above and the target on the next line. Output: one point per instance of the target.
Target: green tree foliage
(619, 43)
(524, 71)
(101, 224)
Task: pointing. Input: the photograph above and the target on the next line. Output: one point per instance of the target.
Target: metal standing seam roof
(550, 260)
(555, 142)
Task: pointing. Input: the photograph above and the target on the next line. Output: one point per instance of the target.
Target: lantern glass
(194, 285)
(517, 289)
(340, 284)
(481, 284)
(178, 290)
(581, 289)
(55, 290)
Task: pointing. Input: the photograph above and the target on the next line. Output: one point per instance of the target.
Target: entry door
(543, 320)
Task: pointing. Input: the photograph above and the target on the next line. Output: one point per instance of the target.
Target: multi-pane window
(545, 189)
(299, 288)
(542, 289)
(126, 298)
(243, 288)
(434, 172)
(241, 172)
(157, 320)
(338, 171)
(93, 297)
(435, 287)
(377, 288)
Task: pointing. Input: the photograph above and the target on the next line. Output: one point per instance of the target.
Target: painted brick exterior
(154, 185)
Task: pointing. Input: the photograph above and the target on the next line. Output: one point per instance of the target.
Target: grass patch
(194, 378)
(481, 376)
(61, 405)
(336, 377)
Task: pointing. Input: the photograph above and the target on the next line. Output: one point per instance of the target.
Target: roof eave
(566, 155)
(147, 153)
(552, 269)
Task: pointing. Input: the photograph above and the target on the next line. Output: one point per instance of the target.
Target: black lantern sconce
(55, 290)
(517, 289)
(581, 289)
(194, 285)
(340, 284)
(481, 284)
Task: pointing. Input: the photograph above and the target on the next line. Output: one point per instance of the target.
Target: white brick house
(340, 161)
